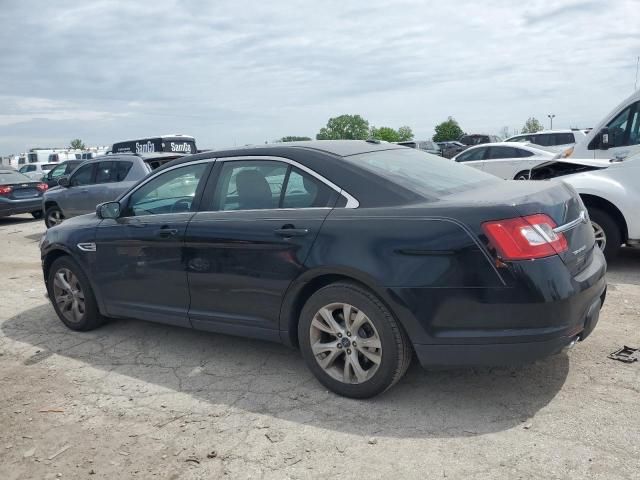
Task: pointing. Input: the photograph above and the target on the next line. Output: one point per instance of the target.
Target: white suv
(557, 140)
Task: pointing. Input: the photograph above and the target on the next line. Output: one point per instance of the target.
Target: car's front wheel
(53, 216)
(72, 296)
(351, 342)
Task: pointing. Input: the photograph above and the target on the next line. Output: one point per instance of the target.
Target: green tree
(389, 134)
(532, 125)
(447, 131)
(405, 133)
(386, 134)
(293, 138)
(345, 127)
(77, 144)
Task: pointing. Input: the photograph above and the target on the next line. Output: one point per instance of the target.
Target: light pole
(551, 117)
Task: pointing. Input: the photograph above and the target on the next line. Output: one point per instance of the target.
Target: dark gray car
(95, 181)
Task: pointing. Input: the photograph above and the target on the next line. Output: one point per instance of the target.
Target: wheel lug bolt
(348, 334)
(339, 335)
(349, 351)
(354, 344)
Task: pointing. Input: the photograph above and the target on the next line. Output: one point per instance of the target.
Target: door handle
(166, 232)
(291, 231)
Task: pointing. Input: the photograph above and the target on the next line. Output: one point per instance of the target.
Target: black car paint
(25, 197)
(430, 264)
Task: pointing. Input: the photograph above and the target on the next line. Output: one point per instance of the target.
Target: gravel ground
(139, 400)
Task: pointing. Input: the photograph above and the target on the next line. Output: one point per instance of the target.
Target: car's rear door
(503, 162)
(140, 266)
(259, 219)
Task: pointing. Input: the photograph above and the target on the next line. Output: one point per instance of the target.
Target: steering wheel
(182, 205)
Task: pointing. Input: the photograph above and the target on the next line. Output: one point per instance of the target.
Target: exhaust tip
(570, 345)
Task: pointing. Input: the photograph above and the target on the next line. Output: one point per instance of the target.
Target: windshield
(8, 176)
(421, 172)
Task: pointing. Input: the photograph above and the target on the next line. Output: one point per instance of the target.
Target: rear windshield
(421, 172)
(7, 176)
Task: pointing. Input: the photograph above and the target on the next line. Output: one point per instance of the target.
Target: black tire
(50, 213)
(37, 214)
(523, 175)
(396, 351)
(91, 317)
(611, 229)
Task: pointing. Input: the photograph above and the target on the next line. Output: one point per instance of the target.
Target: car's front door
(140, 267)
(473, 157)
(75, 199)
(250, 240)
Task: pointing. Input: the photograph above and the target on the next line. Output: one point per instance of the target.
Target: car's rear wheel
(606, 231)
(37, 214)
(53, 216)
(72, 296)
(351, 342)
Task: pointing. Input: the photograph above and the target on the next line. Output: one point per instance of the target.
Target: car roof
(526, 146)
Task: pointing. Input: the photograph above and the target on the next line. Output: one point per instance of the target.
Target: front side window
(83, 176)
(472, 155)
(620, 133)
(170, 192)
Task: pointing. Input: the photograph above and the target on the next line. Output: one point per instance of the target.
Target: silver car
(95, 181)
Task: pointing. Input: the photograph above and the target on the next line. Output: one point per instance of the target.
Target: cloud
(236, 72)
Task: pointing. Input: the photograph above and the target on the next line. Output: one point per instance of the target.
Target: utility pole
(551, 117)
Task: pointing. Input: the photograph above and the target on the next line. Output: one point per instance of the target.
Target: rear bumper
(15, 207)
(504, 354)
(542, 311)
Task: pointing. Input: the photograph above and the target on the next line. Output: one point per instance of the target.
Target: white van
(616, 136)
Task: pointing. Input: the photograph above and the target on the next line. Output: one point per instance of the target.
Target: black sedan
(20, 194)
(359, 253)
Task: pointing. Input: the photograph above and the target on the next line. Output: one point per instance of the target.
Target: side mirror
(604, 139)
(108, 210)
(63, 181)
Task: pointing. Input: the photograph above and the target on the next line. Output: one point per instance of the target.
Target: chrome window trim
(352, 202)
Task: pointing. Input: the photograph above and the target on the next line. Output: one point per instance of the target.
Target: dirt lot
(138, 400)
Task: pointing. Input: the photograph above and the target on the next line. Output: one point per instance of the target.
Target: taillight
(524, 238)
(42, 187)
(5, 189)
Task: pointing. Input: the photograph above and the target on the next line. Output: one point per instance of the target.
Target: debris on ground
(59, 452)
(626, 354)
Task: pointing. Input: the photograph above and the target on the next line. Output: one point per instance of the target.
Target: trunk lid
(21, 191)
(513, 198)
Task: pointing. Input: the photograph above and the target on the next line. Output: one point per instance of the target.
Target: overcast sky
(237, 72)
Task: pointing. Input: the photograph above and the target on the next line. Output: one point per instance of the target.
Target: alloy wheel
(54, 218)
(68, 295)
(601, 236)
(345, 343)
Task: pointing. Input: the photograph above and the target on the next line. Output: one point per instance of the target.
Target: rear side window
(524, 153)
(502, 152)
(563, 138)
(304, 191)
(423, 173)
(112, 171)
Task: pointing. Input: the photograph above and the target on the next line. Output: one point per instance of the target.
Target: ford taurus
(360, 254)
